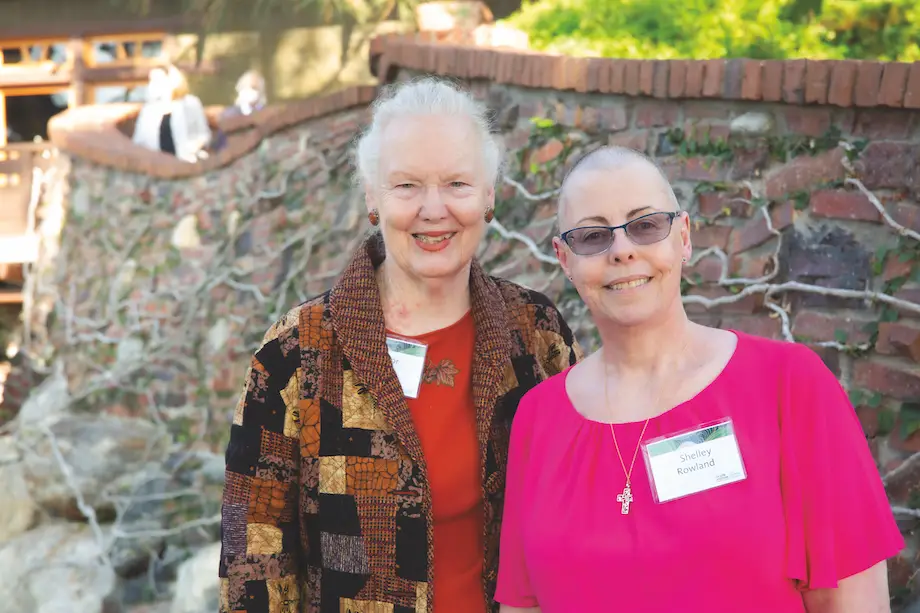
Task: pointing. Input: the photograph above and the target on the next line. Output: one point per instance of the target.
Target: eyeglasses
(645, 230)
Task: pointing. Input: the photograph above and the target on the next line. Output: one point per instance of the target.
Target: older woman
(682, 467)
(366, 466)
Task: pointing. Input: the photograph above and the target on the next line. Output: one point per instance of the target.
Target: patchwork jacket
(326, 507)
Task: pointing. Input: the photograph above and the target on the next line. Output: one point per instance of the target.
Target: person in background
(172, 120)
(682, 467)
(366, 462)
(250, 97)
(147, 125)
(188, 130)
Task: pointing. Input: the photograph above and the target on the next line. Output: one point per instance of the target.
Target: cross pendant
(624, 499)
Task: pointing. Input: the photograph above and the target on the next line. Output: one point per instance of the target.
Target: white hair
(424, 96)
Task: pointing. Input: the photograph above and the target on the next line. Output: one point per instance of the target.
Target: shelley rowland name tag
(693, 461)
(408, 359)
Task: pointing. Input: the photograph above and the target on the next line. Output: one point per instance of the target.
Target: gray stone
(98, 449)
(185, 235)
(56, 568)
(752, 124)
(198, 587)
(17, 512)
(48, 402)
(219, 334)
(828, 258)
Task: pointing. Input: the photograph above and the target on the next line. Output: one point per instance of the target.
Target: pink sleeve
(838, 518)
(513, 579)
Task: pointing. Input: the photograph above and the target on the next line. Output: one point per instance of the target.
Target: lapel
(357, 318)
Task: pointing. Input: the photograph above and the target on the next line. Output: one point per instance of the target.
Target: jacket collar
(357, 318)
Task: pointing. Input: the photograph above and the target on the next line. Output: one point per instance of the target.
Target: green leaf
(889, 314)
(840, 336)
(875, 400)
(886, 421)
(910, 418)
(856, 397)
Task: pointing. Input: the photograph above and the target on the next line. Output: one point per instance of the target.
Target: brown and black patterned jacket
(326, 506)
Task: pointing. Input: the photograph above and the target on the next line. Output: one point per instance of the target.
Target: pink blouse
(811, 511)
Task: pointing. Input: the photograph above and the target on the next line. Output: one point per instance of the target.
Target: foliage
(707, 29)
(211, 12)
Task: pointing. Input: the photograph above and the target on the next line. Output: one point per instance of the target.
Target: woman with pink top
(681, 468)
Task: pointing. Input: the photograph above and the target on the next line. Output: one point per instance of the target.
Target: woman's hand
(865, 592)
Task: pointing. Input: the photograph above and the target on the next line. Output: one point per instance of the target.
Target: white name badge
(693, 461)
(408, 359)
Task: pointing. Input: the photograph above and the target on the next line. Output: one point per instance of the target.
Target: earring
(684, 260)
(490, 213)
(373, 217)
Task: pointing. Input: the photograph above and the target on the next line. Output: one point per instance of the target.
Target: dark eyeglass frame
(672, 215)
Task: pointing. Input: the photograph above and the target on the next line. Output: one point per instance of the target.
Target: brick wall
(802, 179)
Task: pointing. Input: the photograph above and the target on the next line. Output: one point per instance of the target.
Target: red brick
(656, 113)
(707, 270)
(895, 268)
(637, 140)
(805, 172)
(880, 124)
(794, 81)
(715, 203)
(677, 79)
(631, 82)
(593, 81)
(892, 165)
(694, 87)
(549, 151)
(646, 77)
(906, 214)
(755, 232)
(660, 82)
(843, 79)
(900, 338)
(868, 81)
(894, 81)
(732, 79)
(842, 204)
(704, 236)
(808, 121)
(889, 378)
(772, 80)
(712, 130)
(702, 169)
(912, 93)
(706, 109)
(617, 77)
(750, 266)
(712, 78)
(603, 75)
(817, 78)
(757, 325)
(613, 117)
(751, 88)
(817, 327)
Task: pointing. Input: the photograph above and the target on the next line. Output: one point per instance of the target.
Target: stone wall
(158, 278)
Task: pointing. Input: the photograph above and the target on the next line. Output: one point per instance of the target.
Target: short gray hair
(424, 96)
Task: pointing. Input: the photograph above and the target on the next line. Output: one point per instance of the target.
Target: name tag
(408, 359)
(693, 461)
